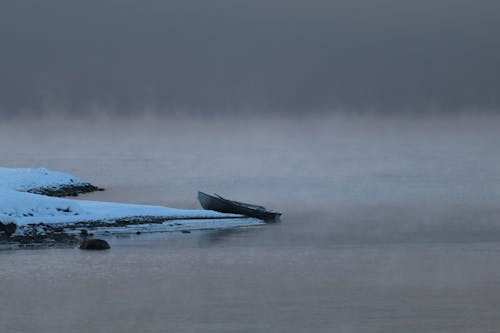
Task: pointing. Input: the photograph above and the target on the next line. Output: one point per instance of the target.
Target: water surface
(389, 225)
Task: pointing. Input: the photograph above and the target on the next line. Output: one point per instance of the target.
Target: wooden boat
(219, 204)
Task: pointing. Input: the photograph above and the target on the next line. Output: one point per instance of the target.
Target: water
(389, 225)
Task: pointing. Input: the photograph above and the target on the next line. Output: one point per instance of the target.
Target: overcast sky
(296, 55)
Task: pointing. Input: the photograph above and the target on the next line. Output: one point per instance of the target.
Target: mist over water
(435, 173)
(311, 160)
(372, 125)
(389, 224)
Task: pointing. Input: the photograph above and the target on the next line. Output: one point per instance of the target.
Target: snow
(22, 208)
(25, 179)
(26, 208)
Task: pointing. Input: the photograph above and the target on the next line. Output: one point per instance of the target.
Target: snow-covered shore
(35, 213)
(26, 179)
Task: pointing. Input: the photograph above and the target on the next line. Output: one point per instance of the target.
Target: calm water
(389, 226)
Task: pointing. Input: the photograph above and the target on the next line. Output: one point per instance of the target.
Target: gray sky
(294, 55)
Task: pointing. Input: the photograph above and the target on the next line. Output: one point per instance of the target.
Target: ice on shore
(22, 208)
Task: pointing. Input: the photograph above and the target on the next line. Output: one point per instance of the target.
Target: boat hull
(227, 206)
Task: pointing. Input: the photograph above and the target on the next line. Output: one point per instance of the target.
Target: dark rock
(186, 231)
(84, 232)
(137, 232)
(94, 244)
(57, 229)
(66, 190)
(8, 228)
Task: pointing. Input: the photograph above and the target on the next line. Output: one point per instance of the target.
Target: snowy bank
(43, 181)
(24, 208)
(27, 179)
(39, 214)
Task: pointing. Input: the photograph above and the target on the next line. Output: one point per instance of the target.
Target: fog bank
(285, 57)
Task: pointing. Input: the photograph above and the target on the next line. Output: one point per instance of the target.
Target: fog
(249, 57)
(371, 125)
(387, 222)
(318, 162)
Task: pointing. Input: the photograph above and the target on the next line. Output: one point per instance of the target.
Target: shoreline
(45, 230)
(45, 235)
(37, 210)
(52, 235)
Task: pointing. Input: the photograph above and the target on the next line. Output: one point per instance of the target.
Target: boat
(220, 204)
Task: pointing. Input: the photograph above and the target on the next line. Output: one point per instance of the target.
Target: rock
(57, 229)
(137, 232)
(66, 190)
(84, 232)
(8, 228)
(94, 244)
(186, 231)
